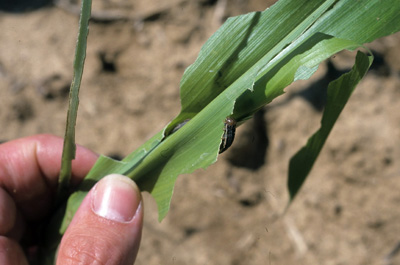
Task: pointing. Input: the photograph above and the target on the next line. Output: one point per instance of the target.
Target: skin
(105, 230)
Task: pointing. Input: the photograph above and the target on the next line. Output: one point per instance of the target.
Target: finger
(11, 252)
(29, 171)
(11, 223)
(8, 213)
(107, 226)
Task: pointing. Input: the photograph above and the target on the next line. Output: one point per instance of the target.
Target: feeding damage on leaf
(228, 136)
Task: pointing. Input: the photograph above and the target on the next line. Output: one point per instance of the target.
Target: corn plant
(244, 66)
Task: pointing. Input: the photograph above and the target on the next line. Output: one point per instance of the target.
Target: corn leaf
(52, 235)
(246, 64)
(339, 91)
(69, 139)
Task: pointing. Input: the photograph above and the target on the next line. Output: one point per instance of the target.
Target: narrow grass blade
(69, 139)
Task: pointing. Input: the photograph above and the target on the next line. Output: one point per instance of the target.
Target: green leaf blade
(238, 45)
(242, 67)
(339, 91)
(360, 21)
(69, 147)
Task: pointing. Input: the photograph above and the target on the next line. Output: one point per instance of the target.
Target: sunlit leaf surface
(243, 66)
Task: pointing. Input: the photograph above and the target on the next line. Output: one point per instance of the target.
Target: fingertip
(116, 198)
(107, 226)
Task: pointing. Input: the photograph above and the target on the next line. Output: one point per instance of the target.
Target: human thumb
(107, 227)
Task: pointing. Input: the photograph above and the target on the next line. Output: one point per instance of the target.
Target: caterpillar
(229, 134)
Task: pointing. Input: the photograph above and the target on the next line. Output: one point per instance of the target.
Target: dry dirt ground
(346, 213)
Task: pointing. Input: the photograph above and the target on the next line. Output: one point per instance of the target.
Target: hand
(107, 227)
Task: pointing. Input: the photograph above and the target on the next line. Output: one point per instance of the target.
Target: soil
(234, 213)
